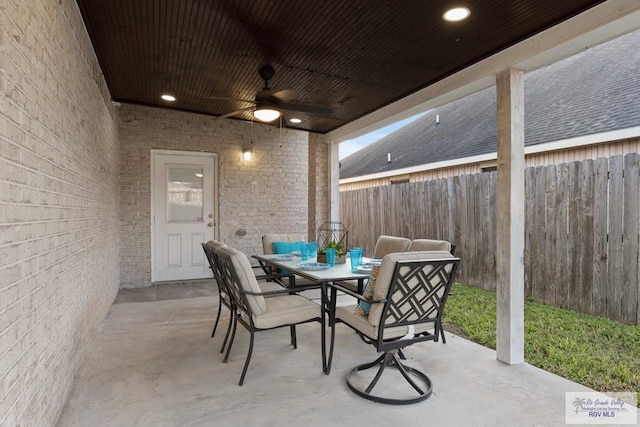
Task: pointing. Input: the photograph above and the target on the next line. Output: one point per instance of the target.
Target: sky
(350, 146)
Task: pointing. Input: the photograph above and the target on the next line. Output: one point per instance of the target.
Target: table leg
(323, 305)
(332, 324)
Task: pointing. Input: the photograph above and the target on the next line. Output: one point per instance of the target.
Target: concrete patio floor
(154, 364)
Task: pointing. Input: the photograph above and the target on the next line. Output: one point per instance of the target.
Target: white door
(184, 214)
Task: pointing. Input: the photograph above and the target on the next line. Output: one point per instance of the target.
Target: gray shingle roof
(592, 92)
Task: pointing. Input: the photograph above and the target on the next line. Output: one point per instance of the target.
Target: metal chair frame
(244, 314)
(408, 306)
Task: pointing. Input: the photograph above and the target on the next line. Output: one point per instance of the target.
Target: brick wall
(269, 194)
(58, 206)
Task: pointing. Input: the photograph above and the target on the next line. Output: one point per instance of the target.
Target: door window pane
(184, 194)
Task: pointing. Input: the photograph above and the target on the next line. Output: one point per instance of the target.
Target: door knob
(210, 224)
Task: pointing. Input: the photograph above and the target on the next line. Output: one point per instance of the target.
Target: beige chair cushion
(269, 286)
(390, 244)
(246, 278)
(285, 310)
(361, 323)
(268, 239)
(429, 245)
(215, 243)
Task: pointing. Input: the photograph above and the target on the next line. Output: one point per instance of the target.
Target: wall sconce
(246, 154)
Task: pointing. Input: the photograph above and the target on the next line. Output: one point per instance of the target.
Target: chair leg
(444, 340)
(246, 363)
(215, 326)
(294, 340)
(403, 370)
(226, 336)
(233, 335)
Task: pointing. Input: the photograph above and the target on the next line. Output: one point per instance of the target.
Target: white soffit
(601, 23)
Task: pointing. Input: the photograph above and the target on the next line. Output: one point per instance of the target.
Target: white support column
(510, 217)
(334, 180)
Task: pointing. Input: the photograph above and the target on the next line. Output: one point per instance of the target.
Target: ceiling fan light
(266, 114)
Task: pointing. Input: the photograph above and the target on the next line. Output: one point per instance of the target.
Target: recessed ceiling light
(456, 14)
(295, 120)
(170, 98)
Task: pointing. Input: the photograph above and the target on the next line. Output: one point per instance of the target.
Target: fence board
(472, 230)
(599, 287)
(614, 252)
(550, 258)
(540, 261)
(630, 244)
(586, 238)
(573, 247)
(562, 204)
(529, 225)
(451, 211)
(459, 234)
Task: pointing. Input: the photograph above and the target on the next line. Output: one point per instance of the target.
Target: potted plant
(333, 235)
(341, 256)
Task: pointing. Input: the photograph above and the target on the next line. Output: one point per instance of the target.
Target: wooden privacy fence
(581, 229)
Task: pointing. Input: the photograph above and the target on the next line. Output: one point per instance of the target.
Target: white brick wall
(58, 206)
(269, 194)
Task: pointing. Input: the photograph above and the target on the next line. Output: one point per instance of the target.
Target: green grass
(598, 353)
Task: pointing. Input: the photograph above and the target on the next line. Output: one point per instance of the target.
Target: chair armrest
(267, 294)
(273, 276)
(355, 294)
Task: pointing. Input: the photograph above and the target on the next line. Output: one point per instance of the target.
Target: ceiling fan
(268, 102)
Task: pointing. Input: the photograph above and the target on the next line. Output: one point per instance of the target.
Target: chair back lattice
(417, 294)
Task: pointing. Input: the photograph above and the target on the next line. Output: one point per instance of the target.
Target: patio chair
(406, 308)
(223, 294)
(258, 310)
(390, 244)
(267, 249)
(431, 245)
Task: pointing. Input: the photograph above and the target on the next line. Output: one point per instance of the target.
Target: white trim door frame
(184, 213)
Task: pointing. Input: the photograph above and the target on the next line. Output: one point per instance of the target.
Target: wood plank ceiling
(351, 56)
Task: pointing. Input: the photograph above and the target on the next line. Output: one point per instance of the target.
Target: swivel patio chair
(406, 308)
(258, 310)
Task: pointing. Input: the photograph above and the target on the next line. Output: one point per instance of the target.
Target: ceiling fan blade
(263, 95)
(233, 113)
(304, 108)
(225, 98)
(286, 95)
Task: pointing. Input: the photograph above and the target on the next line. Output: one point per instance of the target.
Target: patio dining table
(324, 276)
